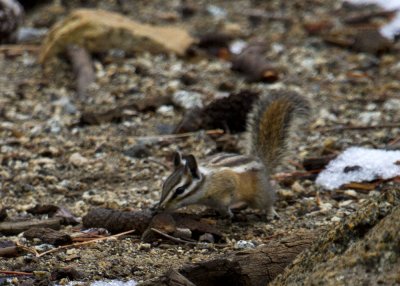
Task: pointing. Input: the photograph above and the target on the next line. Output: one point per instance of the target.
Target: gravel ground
(47, 158)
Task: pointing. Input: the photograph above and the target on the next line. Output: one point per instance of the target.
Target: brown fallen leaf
(99, 30)
(361, 186)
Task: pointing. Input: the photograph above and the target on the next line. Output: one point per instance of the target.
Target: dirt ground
(39, 130)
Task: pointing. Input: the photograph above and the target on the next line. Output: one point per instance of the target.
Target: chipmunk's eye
(179, 190)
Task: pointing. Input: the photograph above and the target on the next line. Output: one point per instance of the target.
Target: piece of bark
(257, 266)
(228, 113)
(16, 227)
(361, 250)
(48, 235)
(82, 65)
(118, 221)
(252, 64)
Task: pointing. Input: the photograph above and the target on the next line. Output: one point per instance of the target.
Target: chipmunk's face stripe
(191, 189)
(173, 180)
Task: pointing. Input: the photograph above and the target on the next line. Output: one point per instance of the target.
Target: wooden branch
(16, 227)
(15, 273)
(83, 69)
(84, 243)
(257, 266)
(17, 50)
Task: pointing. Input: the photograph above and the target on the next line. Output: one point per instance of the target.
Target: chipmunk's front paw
(272, 214)
(226, 213)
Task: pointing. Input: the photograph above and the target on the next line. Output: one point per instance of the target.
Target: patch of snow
(187, 99)
(357, 164)
(237, 46)
(114, 283)
(106, 283)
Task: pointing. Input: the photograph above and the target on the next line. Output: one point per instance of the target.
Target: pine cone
(11, 17)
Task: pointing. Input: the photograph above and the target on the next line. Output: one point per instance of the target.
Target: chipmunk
(226, 179)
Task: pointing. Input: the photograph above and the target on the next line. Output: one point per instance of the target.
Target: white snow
(105, 283)
(114, 283)
(363, 164)
(393, 27)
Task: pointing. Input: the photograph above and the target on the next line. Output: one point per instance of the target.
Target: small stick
(180, 135)
(394, 141)
(84, 243)
(175, 239)
(19, 49)
(83, 68)
(360, 127)
(6, 272)
(295, 174)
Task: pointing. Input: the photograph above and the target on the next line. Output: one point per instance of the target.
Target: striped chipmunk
(226, 179)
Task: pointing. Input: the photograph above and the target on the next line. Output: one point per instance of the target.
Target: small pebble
(78, 160)
(244, 244)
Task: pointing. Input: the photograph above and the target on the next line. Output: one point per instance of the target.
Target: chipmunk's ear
(177, 159)
(191, 164)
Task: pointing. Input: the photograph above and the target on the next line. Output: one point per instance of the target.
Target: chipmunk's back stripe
(218, 158)
(236, 161)
(231, 160)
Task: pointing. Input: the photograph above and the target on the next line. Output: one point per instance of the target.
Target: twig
(83, 68)
(394, 141)
(19, 48)
(180, 135)
(84, 243)
(296, 174)
(27, 249)
(175, 239)
(360, 127)
(6, 272)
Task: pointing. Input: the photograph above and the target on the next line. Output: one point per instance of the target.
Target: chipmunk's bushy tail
(270, 122)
